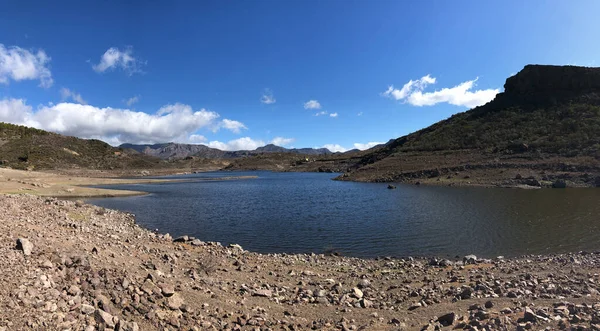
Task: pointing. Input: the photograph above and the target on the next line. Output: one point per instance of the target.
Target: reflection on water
(308, 212)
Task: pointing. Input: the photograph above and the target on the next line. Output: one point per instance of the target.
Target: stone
(73, 290)
(529, 315)
(129, 326)
(366, 303)
(470, 259)
(363, 283)
(105, 319)
(24, 245)
(87, 309)
(167, 289)
(357, 292)
(466, 293)
(181, 239)
(489, 304)
(175, 301)
(319, 293)
(47, 264)
(262, 293)
(237, 246)
(149, 287)
(391, 187)
(197, 242)
(447, 319)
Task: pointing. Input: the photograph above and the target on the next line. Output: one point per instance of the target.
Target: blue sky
(239, 74)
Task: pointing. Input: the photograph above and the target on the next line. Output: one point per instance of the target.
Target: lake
(309, 212)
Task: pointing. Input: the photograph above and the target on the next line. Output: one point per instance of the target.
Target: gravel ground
(65, 265)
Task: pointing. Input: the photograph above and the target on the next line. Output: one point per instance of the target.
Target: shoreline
(87, 267)
(48, 184)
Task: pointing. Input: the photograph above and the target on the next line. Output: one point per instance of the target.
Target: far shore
(78, 185)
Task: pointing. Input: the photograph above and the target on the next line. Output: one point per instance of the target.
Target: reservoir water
(309, 212)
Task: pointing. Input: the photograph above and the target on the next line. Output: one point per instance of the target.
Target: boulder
(391, 187)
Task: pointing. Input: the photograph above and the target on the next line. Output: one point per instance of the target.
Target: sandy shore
(73, 186)
(65, 265)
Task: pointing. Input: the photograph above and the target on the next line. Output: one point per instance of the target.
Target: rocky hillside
(174, 151)
(546, 124)
(28, 148)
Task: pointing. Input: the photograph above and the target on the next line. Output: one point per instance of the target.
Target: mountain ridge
(173, 151)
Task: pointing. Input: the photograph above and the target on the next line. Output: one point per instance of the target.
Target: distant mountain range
(173, 151)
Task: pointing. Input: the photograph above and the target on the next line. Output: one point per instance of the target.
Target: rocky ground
(65, 265)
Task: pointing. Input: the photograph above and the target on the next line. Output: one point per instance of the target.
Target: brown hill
(544, 127)
(28, 148)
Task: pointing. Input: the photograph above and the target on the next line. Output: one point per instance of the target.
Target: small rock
(366, 303)
(24, 245)
(196, 242)
(489, 304)
(262, 293)
(73, 290)
(106, 319)
(167, 289)
(470, 259)
(363, 283)
(181, 239)
(87, 309)
(357, 292)
(175, 301)
(447, 319)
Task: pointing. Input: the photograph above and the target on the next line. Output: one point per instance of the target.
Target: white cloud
(245, 144)
(359, 114)
(233, 126)
(133, 100)
(312, 104)
(196, 139)
(14, 111)
(460, 95)
(281, 141)
(115, 58)
(65, 94)
(335, 148)
(368, 145)
(174, 122)
(321, 113)
(19, 64)
(267, 97)
(333, 115)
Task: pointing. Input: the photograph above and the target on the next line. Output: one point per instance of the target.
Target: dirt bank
(81, 267)
(75, 185)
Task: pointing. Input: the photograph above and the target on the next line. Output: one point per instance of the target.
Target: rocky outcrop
(552, 80)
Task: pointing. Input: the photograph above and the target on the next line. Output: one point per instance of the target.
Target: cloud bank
(174, 122)
(460, 95)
